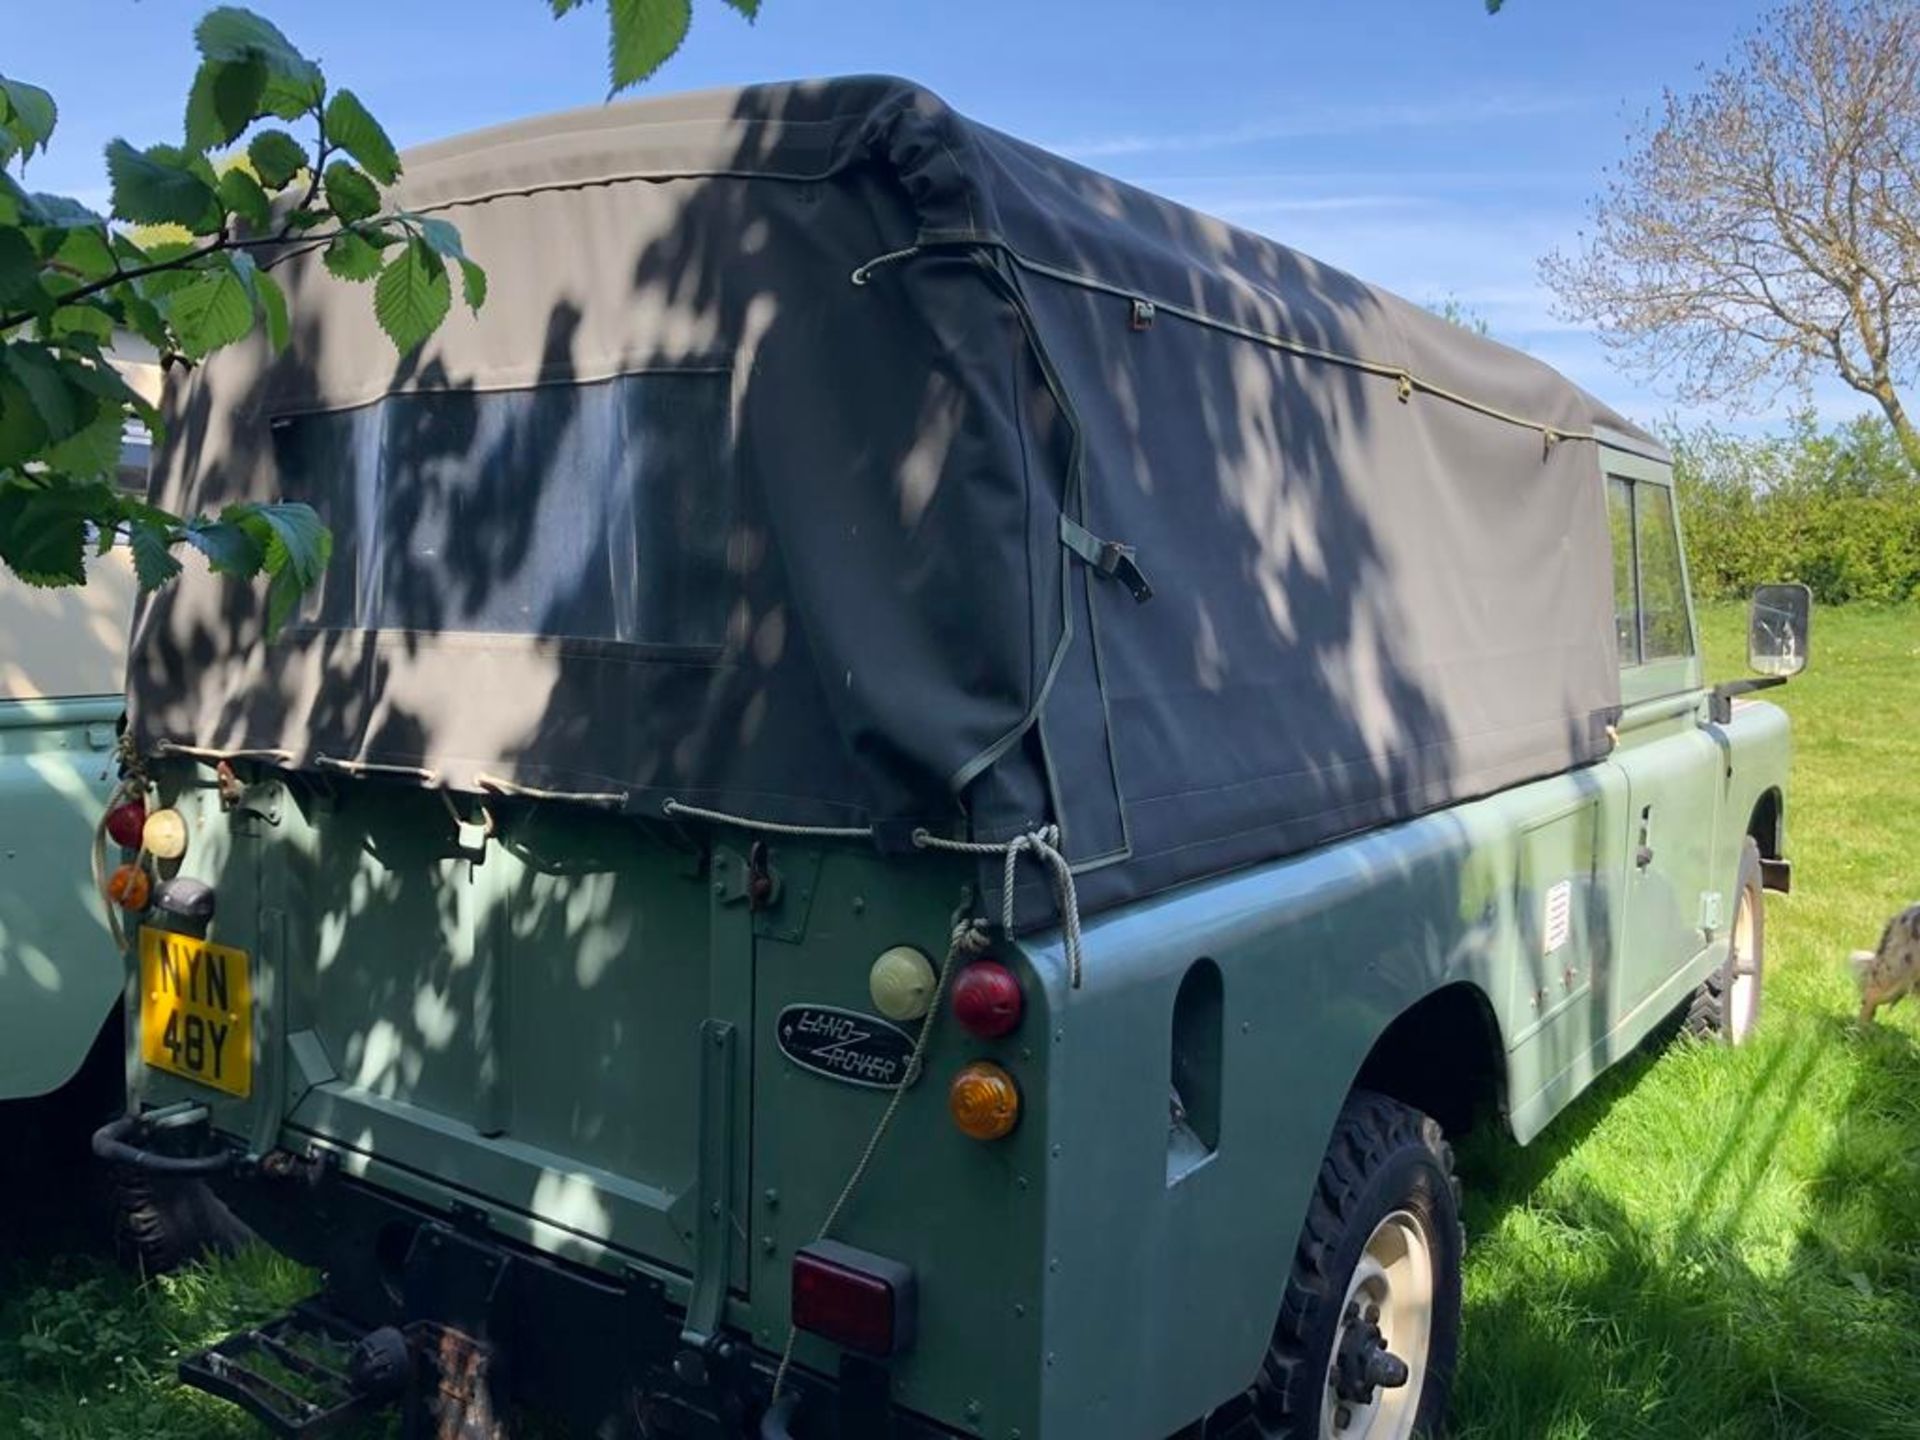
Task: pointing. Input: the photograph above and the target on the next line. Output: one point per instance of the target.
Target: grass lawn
(1715, 1245)
(1720, 1243)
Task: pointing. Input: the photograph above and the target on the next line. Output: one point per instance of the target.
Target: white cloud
(1346, 119)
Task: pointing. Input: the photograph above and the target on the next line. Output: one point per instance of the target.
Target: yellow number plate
(196, 1010)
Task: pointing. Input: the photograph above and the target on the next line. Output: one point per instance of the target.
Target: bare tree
(1767, 227)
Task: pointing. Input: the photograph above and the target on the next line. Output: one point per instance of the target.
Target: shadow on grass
(1590, 1322)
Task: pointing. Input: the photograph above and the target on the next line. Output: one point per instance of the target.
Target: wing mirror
(1778, 623)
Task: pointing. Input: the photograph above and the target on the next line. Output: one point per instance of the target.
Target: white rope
(741, 822)
(532, 792)
(969, 938)
(214, 756)
(1044, 845)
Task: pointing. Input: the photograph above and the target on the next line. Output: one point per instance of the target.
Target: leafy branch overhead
(642, 35)
(271, 163)
(185, 260)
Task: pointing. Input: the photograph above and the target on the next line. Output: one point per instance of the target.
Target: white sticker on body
(1559, 924)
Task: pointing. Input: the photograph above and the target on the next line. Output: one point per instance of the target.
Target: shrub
(1838, 510)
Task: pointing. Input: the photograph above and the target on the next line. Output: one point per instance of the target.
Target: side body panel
(59, 971)
(62, 658)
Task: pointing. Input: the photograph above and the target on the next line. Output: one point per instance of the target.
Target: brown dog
(1891, 972)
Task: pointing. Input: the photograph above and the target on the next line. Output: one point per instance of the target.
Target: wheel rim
(1391, 1289)
(1743, 989)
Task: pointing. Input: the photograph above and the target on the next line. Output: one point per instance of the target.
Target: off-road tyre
(1385, 1157)
(1715, 1012)
(161, 1223)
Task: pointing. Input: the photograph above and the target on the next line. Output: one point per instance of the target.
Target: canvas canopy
(788, 471)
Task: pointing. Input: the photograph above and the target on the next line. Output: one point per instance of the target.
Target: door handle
(1643, 853)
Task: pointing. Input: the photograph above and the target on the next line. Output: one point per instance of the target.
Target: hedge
(1838, 510)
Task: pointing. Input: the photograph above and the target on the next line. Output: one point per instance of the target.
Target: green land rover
(920, 789)
(62, 667)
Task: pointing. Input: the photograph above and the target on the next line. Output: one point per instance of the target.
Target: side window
(1664, 629)
(1626, 599)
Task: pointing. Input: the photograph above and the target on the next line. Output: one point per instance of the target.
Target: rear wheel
(1370, 1325)
(1726, 1007)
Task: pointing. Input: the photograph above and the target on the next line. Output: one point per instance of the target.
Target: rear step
(304, 1373)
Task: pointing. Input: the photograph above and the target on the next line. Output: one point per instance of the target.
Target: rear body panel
(512, 1025)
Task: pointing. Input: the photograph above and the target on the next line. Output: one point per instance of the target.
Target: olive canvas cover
(746, 488)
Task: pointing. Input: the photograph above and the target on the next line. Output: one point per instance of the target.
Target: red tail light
(853, 1298)
(987, 999)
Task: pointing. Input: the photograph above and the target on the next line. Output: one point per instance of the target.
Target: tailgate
(541, 1005)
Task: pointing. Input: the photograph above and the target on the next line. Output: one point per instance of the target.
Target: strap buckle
(1110, 558)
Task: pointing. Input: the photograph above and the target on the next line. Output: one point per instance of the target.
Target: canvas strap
(1107, 557)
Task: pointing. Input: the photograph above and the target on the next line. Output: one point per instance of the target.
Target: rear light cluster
(863, 1301)
(983, 1098)
(158, 836)
(987, 999)
(853, 1297)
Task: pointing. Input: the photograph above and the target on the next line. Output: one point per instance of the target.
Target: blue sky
(1419, 143)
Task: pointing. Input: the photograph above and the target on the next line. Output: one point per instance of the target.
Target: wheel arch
(1767, 823)
(1442, 1055)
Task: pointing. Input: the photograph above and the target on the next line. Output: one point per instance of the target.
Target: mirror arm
(1720, 702)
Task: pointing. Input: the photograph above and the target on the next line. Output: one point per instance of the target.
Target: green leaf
(300, 541)
(561, 7)
(297, 556)
(83, 251)
(28, 115)
(57, 212)
(63, 407)
(144, 319)
(43, 527)
(241, 194)
(351, 256)
(473, 285)
(352, 127)
(225, 99)
(351, 194)
(645, 33)
(154, 563)
(93, 450)
(109, 385)
(23, 434)
(229, 549)
(748, 8)
(277, 157)
(273, 308)
(156, 186)
(294, 548)
(14, 201)
(83, 319)
(294, 83)
(19, 268)
(442, 235)
(412, 295)
(212, 311)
